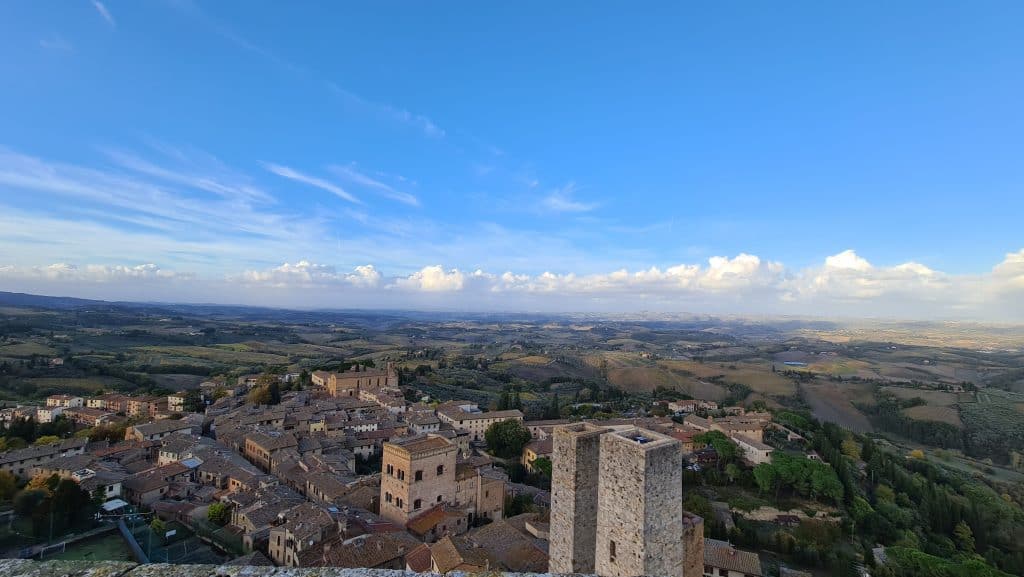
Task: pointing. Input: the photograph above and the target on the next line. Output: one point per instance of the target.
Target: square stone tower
(416, 474)
(574, 497)
(639, 515)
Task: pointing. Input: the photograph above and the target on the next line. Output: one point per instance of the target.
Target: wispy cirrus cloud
(316, 182)
(561, 200)
(101, 8)
(421, 122)
(56, 43)
(205, 173)
(350, 173)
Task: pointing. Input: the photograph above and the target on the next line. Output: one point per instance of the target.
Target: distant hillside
(45, 302)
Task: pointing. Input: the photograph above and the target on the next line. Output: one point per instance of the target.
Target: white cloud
(89, 273)
(102, 9)
(848, 276)
(353, 175)
(744, 283)
(432, 279)
(847, 260)
(1009, 274)
(308, 274)
(560, 200)
(291, 174)
(206, 173)
(57, 43)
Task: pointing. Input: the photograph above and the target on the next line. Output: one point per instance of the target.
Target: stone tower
(416, 474)
(639, 518)
(693, 545)
(574, 498)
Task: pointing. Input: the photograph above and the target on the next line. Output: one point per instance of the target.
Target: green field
(27, 349)
(218, 354)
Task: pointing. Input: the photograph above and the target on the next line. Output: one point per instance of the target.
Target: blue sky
(173, 150)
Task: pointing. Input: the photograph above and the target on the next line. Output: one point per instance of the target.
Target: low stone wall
(30, 568)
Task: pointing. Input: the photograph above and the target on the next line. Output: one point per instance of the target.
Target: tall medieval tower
(574, 478)
(617, 504)
(640, 505)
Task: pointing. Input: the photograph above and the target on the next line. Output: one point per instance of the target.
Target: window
(387, 497)
(417, 504)
(487, 493)
(391, 469)
(611, 551)
(440, 470)
(439, 498)
(418, 476)
(398, 503)
(401, 475)
(723, 572)
(708, 570)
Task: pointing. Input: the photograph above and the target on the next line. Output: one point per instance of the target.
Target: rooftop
(417, 445)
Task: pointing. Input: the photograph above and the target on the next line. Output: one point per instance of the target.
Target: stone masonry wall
(639, 518)
(574, 507)
(663, 522)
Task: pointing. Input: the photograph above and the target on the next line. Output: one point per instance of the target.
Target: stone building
(640, 491)
(417, 474)
(467, 416)
(617, 505)
(574, 481)
(350, 382)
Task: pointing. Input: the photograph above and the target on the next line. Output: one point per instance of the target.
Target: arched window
(440, 470)
(417, 504)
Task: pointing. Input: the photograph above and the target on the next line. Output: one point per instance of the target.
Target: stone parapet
(32, 568)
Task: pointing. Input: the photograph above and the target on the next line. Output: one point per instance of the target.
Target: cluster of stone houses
(100, 409)
(294, 475)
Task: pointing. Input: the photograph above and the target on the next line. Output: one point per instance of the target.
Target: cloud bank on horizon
(346, 155)
(845, 284)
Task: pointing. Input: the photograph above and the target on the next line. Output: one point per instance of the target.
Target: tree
(193, 402)
(543, 466)
(28, 500)
(851, 449)
(726, 449)
(8, 486)
(766, 477)
(265, 394)
(507, 438)
(46, 483)
(964, 537)
(504, 401)
(732, 471)
(158, 526)
(47, 439)
(553, 410)
(218, 513)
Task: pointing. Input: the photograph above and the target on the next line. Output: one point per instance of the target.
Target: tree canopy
(507, 438)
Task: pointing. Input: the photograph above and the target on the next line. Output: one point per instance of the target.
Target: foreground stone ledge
(30, 568)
